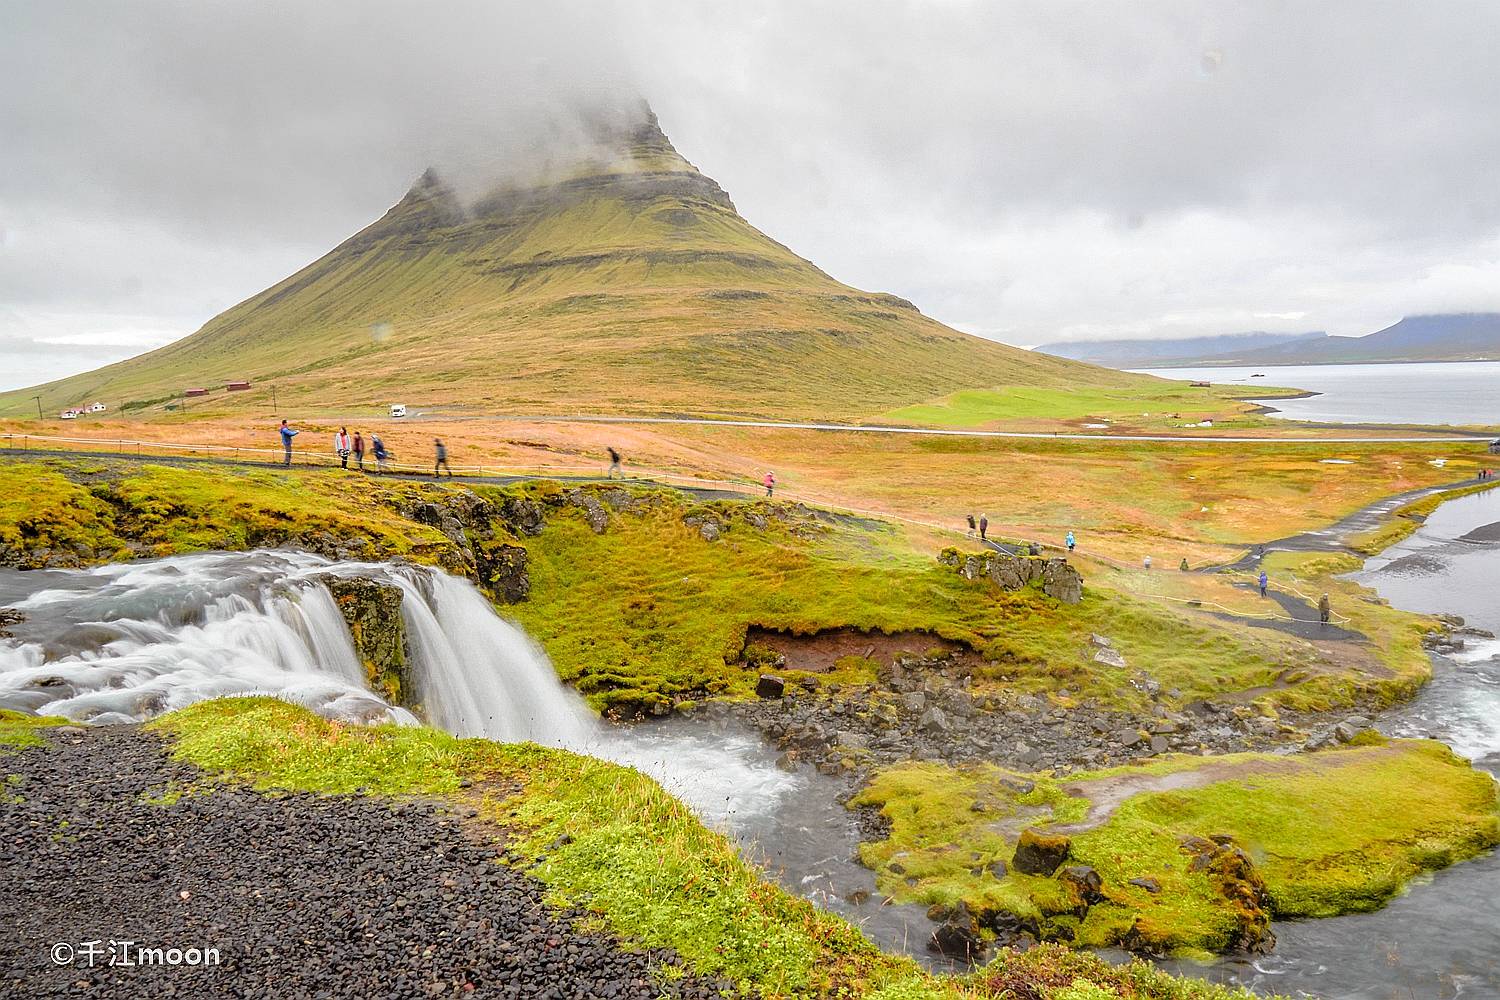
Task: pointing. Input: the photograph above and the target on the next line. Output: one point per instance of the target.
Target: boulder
(1062, 581)
(770, 686)
(502, 570)
(1110, 657)
(934, 721)
(1084, 881)
(851, 740)
(958, 936)
(372, 611)
(1350, 728)
(1039, 853)
(9, 617)
(914, 702)
(1151, 885)
(709, 531)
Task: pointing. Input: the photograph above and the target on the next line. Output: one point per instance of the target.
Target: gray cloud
(1027, 170)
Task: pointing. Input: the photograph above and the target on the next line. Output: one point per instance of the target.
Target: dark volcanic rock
(502, 569)
(302, 895)
(958, 935)
(1039, 853)
(770, 686)
(373, 613)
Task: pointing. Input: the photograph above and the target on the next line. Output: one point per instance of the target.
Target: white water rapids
(126, 642)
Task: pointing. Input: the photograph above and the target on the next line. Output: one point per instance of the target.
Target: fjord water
(1459, 393)
(1441, 939)
(126, 642)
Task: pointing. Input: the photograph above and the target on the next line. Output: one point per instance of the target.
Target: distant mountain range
(1163, 353)
(1445, 337)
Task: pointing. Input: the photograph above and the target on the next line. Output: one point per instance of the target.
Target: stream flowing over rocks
(300, 895)
(355, 642)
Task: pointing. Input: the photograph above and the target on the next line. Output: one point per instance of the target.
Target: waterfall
(479, 675)
(126, 642)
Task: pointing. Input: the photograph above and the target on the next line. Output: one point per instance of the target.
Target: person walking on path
(984, 526)
(1183, 565)
(769, 481)
(342, 447)
(1033, 549)
(614, 464)
(377, 447)
(287, 434)
(1325, 610)
(1263, 581)
(1146, 562)
(359, 451)
(972, 527)
(442, 458)
(1070, 542)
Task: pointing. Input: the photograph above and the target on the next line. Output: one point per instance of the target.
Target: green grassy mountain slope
(632, 285)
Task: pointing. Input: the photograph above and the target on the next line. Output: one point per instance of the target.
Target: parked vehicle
(398, 409)
(69, 414)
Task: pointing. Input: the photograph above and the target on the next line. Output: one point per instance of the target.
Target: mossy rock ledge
(372, 610)
(1055, 577)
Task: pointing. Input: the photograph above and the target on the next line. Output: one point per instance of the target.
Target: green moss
(20, 730)
(1328, 833)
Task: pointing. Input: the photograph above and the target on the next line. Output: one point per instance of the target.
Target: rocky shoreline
(926, 708)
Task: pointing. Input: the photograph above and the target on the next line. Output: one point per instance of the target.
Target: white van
(69, 414)
(398, 409)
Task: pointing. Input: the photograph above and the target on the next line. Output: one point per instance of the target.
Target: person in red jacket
(769, 480)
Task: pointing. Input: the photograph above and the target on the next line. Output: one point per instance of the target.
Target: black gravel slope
(304, 896)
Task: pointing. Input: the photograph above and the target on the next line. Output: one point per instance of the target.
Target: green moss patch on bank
(18, 729)
(80, 512)
(649, 612)
(1334, 832)
(610, 839)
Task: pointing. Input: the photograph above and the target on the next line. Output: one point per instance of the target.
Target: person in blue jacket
(1069, 541)
(1263, 581)
(286, 443)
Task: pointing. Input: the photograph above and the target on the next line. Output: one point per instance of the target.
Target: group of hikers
(347, 446)
(980, 528)
(1486, 474)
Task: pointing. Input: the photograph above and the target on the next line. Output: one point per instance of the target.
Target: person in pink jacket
(770, 482)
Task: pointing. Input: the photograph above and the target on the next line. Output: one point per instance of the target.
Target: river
(1441, 939)
(1460, 393)
(125, 642)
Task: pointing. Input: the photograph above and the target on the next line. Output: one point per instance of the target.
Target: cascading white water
(126, 642)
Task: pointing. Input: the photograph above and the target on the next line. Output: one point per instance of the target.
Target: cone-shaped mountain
(630, 284)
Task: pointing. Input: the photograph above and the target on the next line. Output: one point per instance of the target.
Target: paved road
(949, 432)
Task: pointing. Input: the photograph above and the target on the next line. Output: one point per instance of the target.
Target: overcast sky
(1025, 171)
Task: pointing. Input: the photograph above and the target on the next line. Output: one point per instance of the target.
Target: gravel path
(303, 896)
